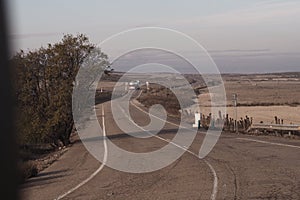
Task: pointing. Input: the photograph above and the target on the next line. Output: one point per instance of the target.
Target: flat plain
(261, 96)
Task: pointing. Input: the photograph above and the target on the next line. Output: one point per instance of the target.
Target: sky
(242, 36)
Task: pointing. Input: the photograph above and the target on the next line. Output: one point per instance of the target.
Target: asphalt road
(239, 167)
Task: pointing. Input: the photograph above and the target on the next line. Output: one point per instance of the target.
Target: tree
(44, 85)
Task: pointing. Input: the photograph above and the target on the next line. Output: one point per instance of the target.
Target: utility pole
(234, 100)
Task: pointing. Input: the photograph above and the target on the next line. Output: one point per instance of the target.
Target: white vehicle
(108, 70)
(134, 85)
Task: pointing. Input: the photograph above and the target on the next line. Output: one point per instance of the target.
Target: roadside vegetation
(44, 80)
(161, 95)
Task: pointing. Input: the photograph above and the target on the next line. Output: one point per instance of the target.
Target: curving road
(239, 167)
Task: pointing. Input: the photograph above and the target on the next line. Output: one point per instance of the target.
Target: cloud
(239, 51)
(267, 11)
(257, 54)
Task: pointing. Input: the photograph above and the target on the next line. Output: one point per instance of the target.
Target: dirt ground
(253, 91)
(290, 115)
(260, 96)
(264, 92)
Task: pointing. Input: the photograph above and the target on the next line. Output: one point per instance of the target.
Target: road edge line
(214, 173)
(271, 143)
(97, 171)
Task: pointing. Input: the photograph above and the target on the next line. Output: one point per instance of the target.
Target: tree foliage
(44, 84)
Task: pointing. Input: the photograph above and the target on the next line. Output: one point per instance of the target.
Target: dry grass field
(259, 90)
(290, 115)
(264, 92)
(261, 96)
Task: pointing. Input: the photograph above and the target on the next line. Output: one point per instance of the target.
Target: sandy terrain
(259, 93)
(264, 113)
(260, 96)
(264, 92)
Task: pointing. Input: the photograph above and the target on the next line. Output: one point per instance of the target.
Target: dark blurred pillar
(8, 172)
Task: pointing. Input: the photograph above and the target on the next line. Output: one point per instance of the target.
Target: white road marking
(215, 184)
(271, 143)
(139, 94)
(157, 117)
(215, 187)
(97, 171)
